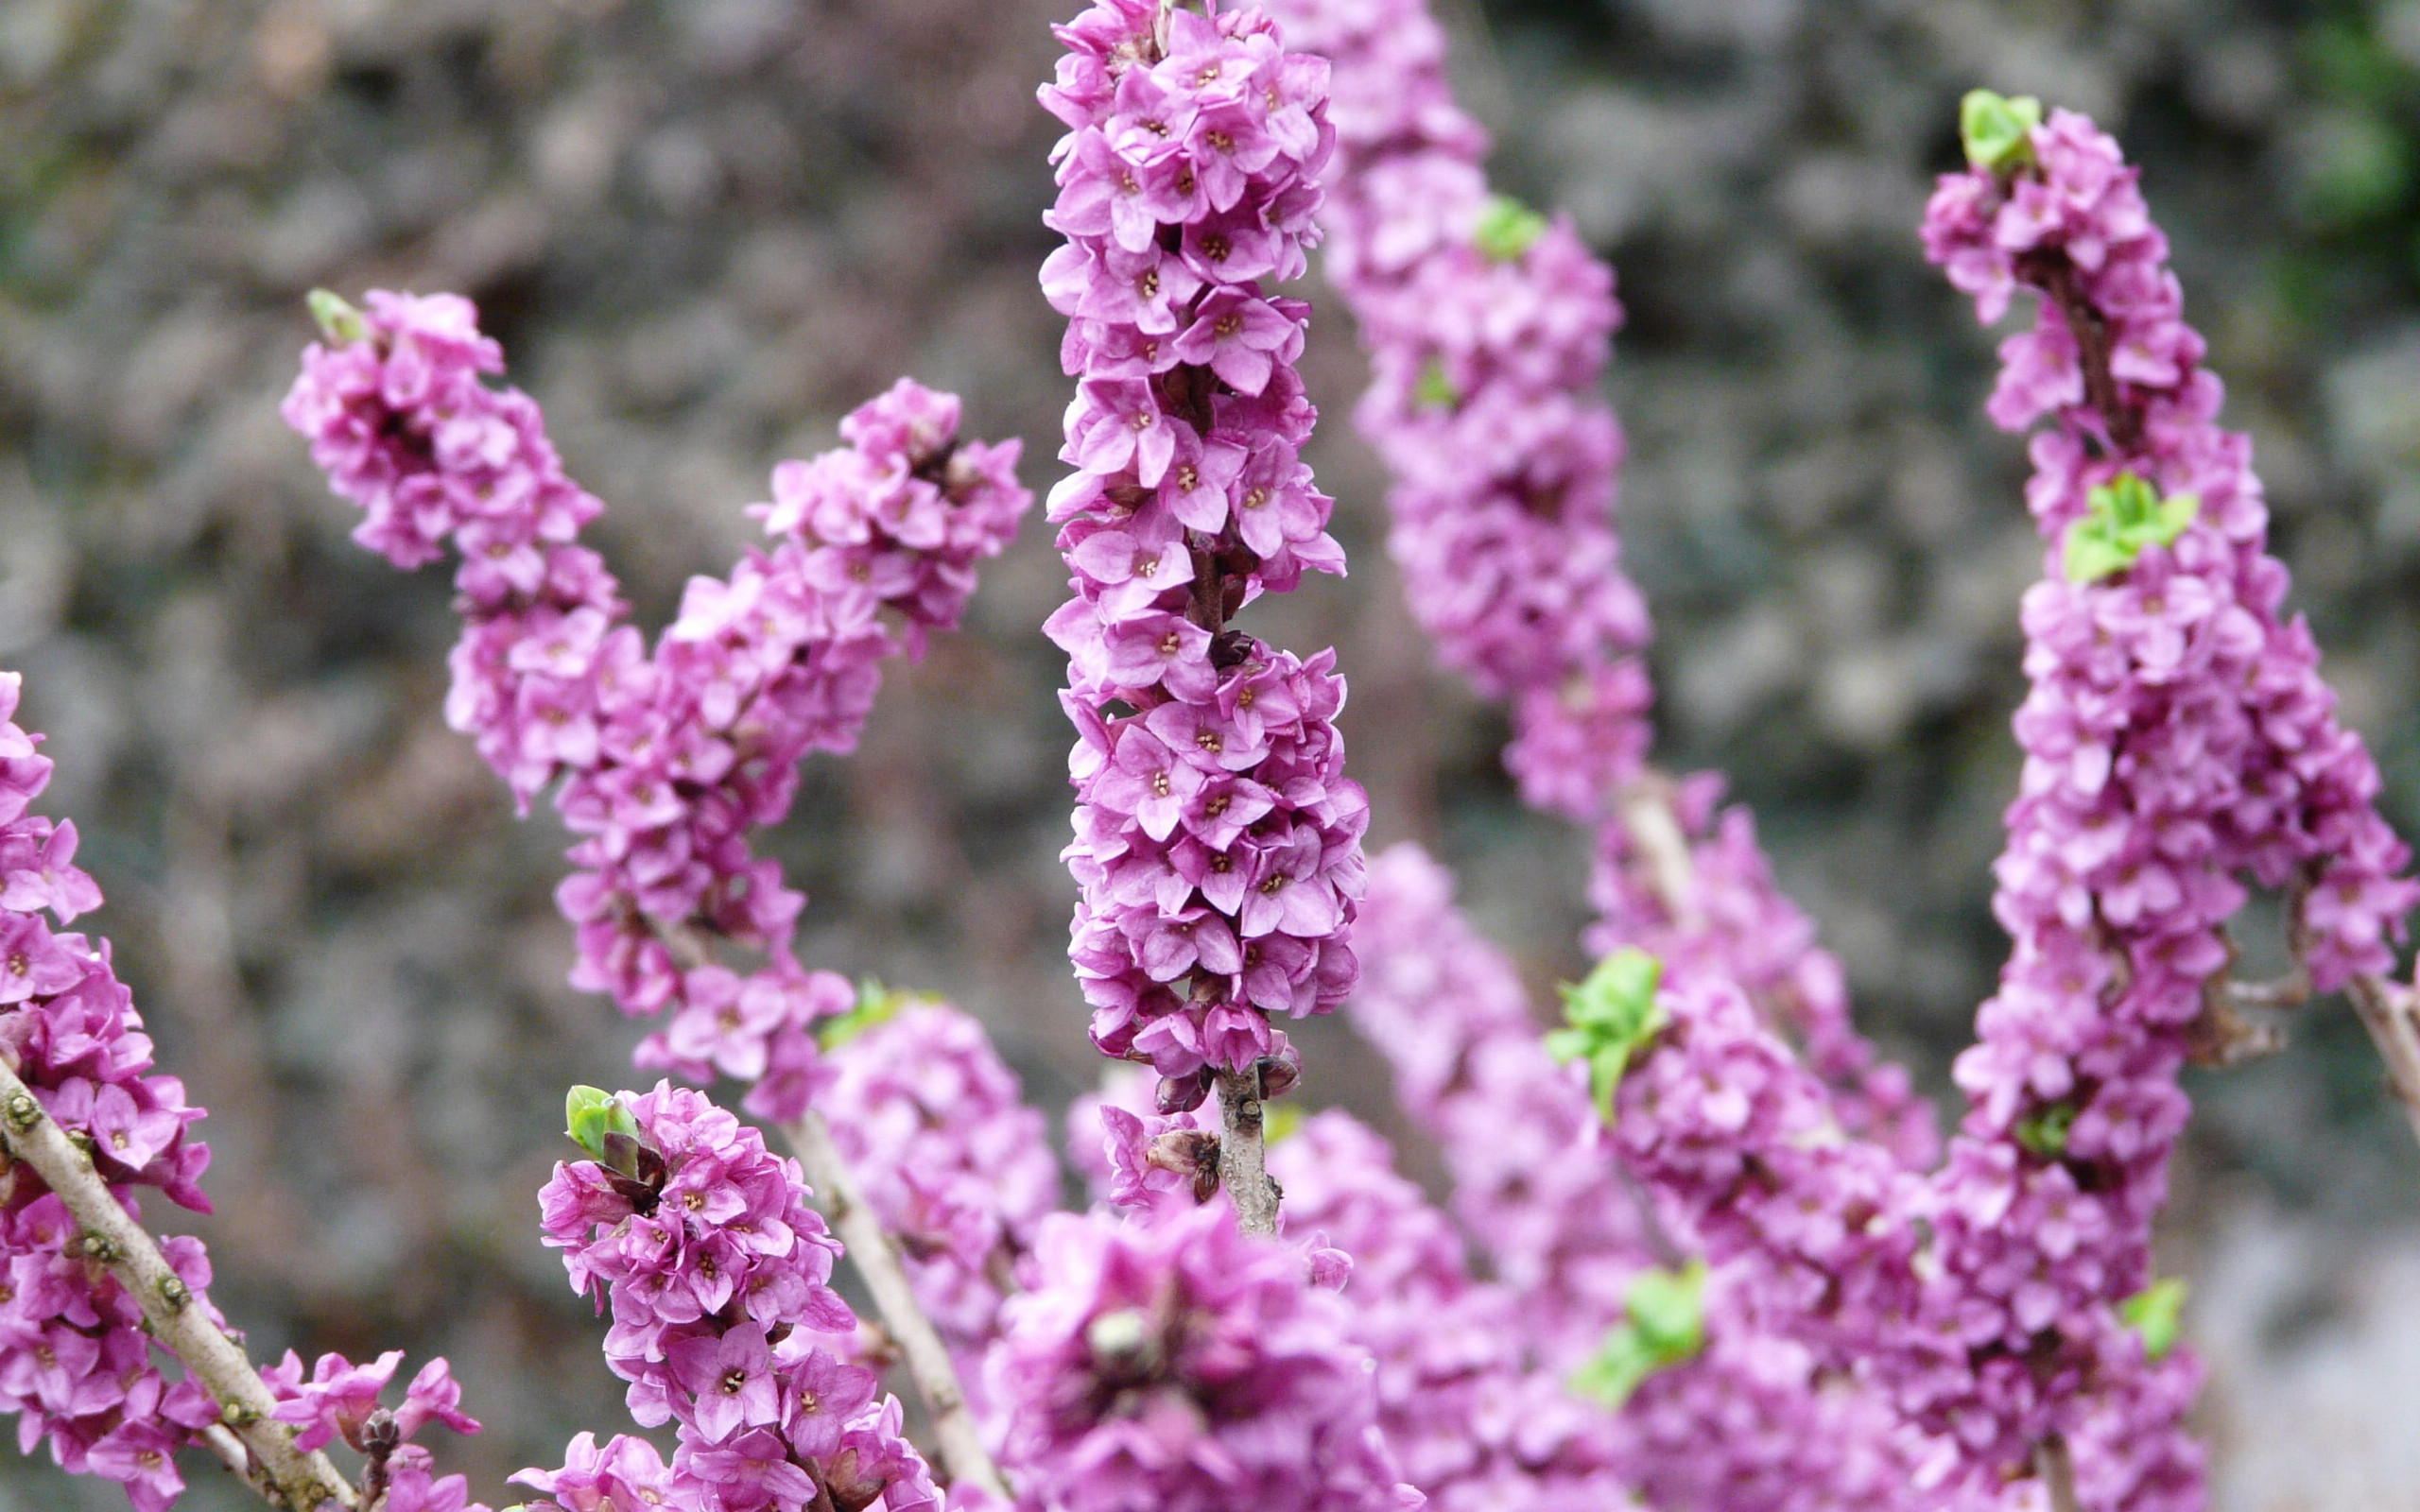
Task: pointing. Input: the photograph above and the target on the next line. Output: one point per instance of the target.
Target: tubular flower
(668, 761)
(1533, 1175)
(1218, 841)
(1473, 1425)
(718, 1274)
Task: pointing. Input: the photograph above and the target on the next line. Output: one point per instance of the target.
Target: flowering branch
(1218, 841)
(876, 1255)
(2384, 1007)
(872, 1249)
(180, 1318)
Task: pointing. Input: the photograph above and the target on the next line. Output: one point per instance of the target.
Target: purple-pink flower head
(1182, 1367)
(931, 1122)
(1217, 849)
(669, 759)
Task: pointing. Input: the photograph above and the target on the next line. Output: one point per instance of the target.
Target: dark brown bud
(1181, 1095)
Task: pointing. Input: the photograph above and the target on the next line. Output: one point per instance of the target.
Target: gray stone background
(706, 228)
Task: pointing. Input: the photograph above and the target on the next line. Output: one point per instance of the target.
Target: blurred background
(704, 228)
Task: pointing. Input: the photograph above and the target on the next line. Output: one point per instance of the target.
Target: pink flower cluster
(76, 1357)
(1181, 1366)
(338, 1399)
(1749, 1423)
(1533, 1180)
(2177, 738)
(1218, 841)
(1488, 332)
(932, 1124)
(1473, 1426)
(718, 1274)
(1732, 924)
(76, 1361)
(669, 760)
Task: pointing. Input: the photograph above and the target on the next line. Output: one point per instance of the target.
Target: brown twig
(875, 1253)
(2389, 1012)
(1645, 806)
(877, 1257)
(2052, 274)
(1243, 1153)
(2056, 1465)
(180, 1318)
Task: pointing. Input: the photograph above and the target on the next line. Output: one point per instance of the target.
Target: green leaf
(1435, 390)
(2045, 1132)
(1612, 1015)
(876, 1004)
(2122, 518)
(1666, 1307)
(2156, 1313)
(1279, 1120)
(1666, 1326)
(1997, 130)
(592, 1114)
(1506, 227)
(1609, 1376)
(338, 322)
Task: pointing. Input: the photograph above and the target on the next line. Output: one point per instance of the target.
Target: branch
(1645, 807)
(2055, 1464)
(2052, 273)
(2389, 1012)
(1243, 1153)
(875, 1254)
(2387, 1009)
(179, 1319)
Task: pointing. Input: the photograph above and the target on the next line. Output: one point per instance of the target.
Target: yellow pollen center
(1254, 498)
